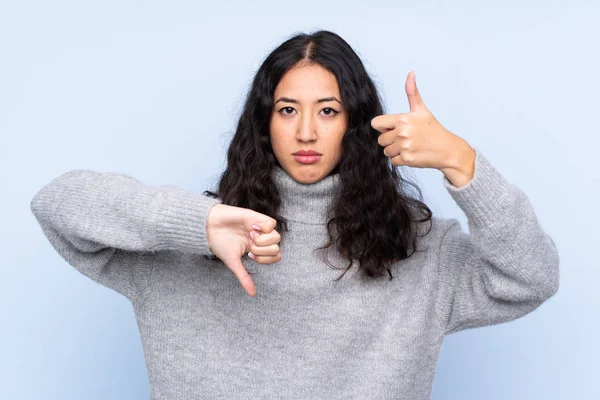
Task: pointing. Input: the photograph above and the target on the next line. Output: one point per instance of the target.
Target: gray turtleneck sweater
(303, 336)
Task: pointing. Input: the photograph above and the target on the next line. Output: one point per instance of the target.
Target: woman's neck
(302, 202)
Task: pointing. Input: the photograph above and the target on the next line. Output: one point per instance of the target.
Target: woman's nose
(307, 129)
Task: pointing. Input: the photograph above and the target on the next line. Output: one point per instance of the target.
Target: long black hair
(374, 219)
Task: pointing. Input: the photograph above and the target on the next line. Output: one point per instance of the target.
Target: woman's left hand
(417, 139)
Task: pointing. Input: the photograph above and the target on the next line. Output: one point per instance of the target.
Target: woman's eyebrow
(289, 100)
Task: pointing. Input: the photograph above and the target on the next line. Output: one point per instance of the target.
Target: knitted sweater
(304, 335)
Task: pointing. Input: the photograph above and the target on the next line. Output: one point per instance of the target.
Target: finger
(265, 239)
(386, 139)
(398, 161)
(415, 101)
(384, 122)
(267, 259)
(270, 250)
(393, 149)
(260, 222)
(388, 122)
(242, 275)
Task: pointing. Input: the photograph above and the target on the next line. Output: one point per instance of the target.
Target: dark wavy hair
(374, 218)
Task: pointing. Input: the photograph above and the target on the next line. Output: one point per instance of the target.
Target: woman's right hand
(232, 231)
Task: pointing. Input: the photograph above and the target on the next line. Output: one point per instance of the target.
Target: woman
(310, 188)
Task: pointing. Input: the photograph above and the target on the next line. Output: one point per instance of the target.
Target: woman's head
(308, 115)
(302, 70)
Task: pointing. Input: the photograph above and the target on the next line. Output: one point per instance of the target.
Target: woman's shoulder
(433, 230)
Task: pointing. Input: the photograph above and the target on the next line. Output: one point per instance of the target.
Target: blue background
(153, 89)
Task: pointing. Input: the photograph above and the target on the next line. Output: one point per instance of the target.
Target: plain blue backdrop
(153, 89)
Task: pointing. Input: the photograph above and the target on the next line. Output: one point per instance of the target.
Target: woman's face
(307, 115)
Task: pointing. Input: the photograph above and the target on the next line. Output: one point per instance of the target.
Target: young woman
(311, 188)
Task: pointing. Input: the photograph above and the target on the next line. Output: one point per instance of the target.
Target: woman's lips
(307, 159)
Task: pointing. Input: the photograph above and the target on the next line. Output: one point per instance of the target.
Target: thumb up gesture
(232, 231)
(417, 139)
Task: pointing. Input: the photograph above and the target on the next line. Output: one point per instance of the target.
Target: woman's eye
(286, 108)
(331, 111)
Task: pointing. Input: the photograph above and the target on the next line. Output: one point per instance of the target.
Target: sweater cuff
(182, 220)
(486, 197)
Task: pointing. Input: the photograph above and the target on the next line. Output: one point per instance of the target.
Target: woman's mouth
(307, 159)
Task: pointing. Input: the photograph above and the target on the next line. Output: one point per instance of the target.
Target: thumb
(414, 97)
(261, 222)
(242, 275)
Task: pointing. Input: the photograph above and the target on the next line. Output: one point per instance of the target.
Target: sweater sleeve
(506, 267)
(109, 226)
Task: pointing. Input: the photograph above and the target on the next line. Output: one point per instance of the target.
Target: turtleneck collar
(308, 203)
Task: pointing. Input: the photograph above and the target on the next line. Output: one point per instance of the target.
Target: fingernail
(251, 255)
(256, 227)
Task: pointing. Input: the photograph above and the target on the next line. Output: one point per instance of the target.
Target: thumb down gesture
(232, 231)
